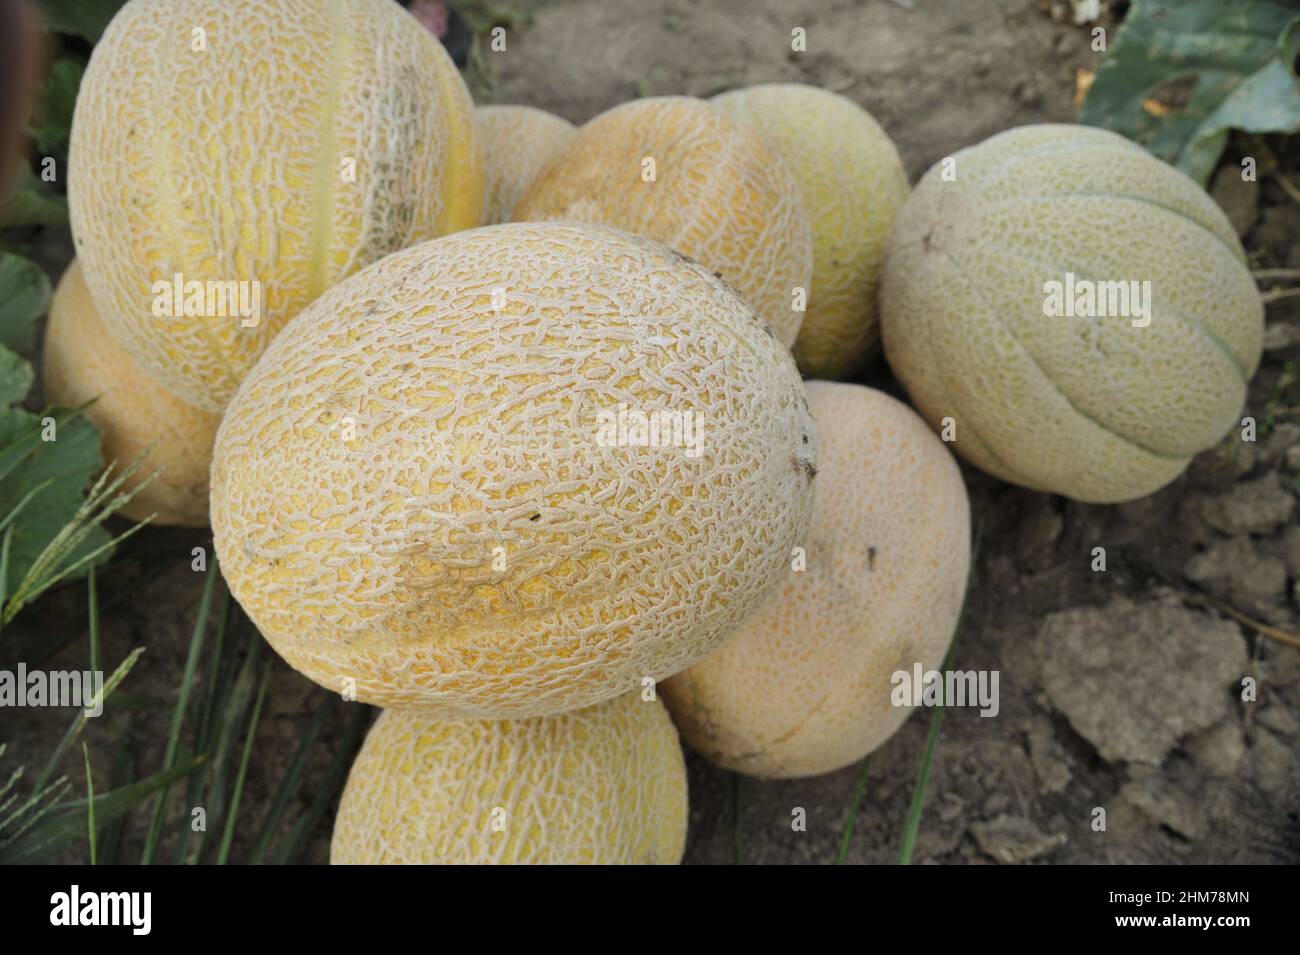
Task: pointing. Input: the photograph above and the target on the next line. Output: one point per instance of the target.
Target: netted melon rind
(437, 414)
(603, 785)
(804, 687)
(302, 143)
(133, 413)
(1095, 409)
(517, 142)
(853, 185)
(720, 195)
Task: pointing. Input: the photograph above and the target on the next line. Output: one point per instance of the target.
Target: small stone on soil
(1219, 751)
(1014, 839)
(1251, 507)
(1164, 803)
(1134, 678)
(1234, 570)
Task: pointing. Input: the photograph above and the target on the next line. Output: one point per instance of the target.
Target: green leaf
(83, 18)
(16, 376)
(24, 297)
(57, 100)
(1183, 73)
(33, 202)
(68, 464)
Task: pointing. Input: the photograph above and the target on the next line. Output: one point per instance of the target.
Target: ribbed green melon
(1095, 408)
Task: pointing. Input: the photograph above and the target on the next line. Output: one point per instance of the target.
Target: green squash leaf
(57, 100)
(84, 18)
(16, 377)
(68, 464)
(24, 297)
(1183, 73)
(33, 202)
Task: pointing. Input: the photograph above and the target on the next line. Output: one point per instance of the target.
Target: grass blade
(65, 824)
(110, 840)
(233, 813)
(80, 720)
(4, 564)
(178, 714)
(233, 716)
(90, 805)
(913, 824)
(855, 809)
(222, 661)
(289, 783)
(93, 619)
(296, 845)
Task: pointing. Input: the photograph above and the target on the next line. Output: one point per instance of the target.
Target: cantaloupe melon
(517, 142)
(603, 785)
(434, 490)
(274, 142)
(805, 686)
(1107, 407)
(853, 184)
(677, 170)
(133, 413)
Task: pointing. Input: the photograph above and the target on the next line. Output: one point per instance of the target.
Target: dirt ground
(1117, 687)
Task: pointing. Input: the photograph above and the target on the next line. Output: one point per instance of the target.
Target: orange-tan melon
(807, 684)
(517, 142)
(679, 171)
(133, 413)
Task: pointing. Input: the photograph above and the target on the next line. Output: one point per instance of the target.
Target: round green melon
(1075, 313)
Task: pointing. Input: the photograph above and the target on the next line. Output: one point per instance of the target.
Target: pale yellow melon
(679, 171)
(517, 142)
(417, 498)
(278, 142)
(806, 685)
(603, 785)
(133, 413)
(853, 184)
(1107, 407)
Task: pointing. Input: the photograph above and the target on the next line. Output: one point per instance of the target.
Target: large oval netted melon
(256, 141)
(806, 686)
(517, 142)
(677, 170)
(434, 489)
(987, 321)
(603, 785)
(853, 184)
(133, 413)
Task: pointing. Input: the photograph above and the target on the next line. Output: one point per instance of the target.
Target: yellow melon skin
(414, 499)
(719, 195)
(805, 685)
(604, 785)
(302, 142)
(517, 142)
(1092, 408)
(132, 412)
(853, 184)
